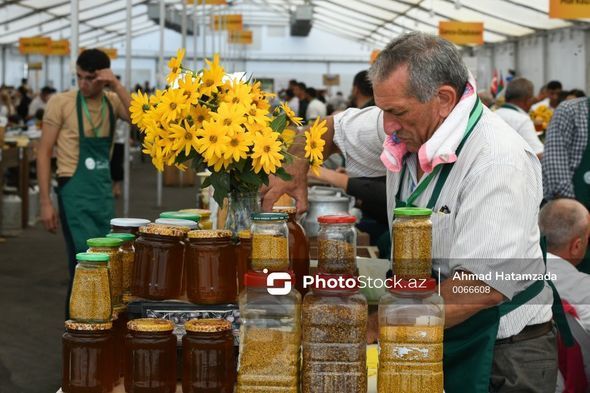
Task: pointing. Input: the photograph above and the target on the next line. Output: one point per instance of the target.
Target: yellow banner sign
(331, 79)
(59, 48)
(569, 9)
(240, 37)
(111, 52)
(35, 66)
(232, 22)
(462, 33)
(34, 45)
(209, 2)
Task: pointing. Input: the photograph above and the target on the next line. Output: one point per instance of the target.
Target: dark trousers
(117, 172)
(528, 366)
(70, 247)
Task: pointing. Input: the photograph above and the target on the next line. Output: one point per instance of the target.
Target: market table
(16, 156)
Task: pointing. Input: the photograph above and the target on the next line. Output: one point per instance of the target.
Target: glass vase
(241, 205)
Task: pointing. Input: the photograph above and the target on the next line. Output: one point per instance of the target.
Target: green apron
(468, 349)
(88, 196)
(581, 182)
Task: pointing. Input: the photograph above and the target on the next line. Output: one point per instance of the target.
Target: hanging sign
(231, 22)
(569, 9)
(331, 79)
(34, 45)
(35, 66)
(59, 48)
(462, 33)
(209, 2)
(374, 55)
(240, 37)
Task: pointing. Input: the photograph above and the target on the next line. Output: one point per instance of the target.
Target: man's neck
(561, 254)
(517, 104)
(94, 97)
(361, 101)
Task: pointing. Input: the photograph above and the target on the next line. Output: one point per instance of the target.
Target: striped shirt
(492, 196)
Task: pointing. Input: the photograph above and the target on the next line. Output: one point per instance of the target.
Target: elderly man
(446, 152)
(519, 97)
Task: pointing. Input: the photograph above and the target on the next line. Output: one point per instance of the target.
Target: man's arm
(45, 150)
(107, 76)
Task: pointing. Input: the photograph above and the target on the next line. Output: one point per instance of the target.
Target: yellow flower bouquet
(541, 116)
(221, 123)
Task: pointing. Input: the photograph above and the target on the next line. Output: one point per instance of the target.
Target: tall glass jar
(334, 336)
(159, 260)
(411, 325)
(150, 360)
(298, 246)
(270, 337)
(211, 267)
(412, 242)
(90, 300)
(87, 358)
(111, 247)
(128, 225)
(337, 245)
(127, 255)
(205, 221)
(270, 242)
(244, 252)
(208, 357)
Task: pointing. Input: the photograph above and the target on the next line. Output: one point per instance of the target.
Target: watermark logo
(278, 283)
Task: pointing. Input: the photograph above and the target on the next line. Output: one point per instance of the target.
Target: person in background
(300, 92)
(549, 97)
(81, 124)
(336, 103)
(519, 97)
(362, 91)
(575, 93)
(486, 98)
(7, 108)
(315, 108)
(24, 93)
(118, 154)
(40, 101)
(292, 100)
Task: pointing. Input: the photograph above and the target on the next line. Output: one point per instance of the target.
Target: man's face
(553, 95)
(413, 121)
(87, 83)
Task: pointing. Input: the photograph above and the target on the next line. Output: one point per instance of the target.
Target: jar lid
(337, 219)
(269, 216)
(150, 325)
(181, 216)
(245, 234)
(210, 234)
(178, 222)
(254, 279)
(417, 285)
(203, 213)
(284, 209)
(411, 211)
(207, 325)
(129, 222)
(126, 237)
(336, 282)
(96, 257)
(163, 230)
(89, 327)
(104, 242)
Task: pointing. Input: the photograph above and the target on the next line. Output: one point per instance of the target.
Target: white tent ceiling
(375, 22)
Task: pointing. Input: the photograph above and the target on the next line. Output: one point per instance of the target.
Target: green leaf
(264, 177)
(220, 182)
(198, 164)
(279, 123)
(207, 182)
(282, 174)
(249, 177)
(240, 165)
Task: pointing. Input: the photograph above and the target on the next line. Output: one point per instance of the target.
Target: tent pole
(74, 42)
(126, 168)
(162, 83)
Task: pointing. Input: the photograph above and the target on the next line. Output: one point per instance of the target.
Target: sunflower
(140, 105)
(257, 116)
(190, 87)
(315, 167)
(290, 114)
(156, 98)
(238, 146)
(229, 116)
(184, 137)
(288, 136)
(238, 94)
(198, 114)
(212, 141)
(212, 77)
(266, 152)
(172, 105)
(314, 144)
(175, 65)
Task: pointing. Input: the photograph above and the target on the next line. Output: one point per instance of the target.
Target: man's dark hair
(302, 85)
(311, 92)
(289, 94)
(576, 93)
(93, 59)
(554, 85)
(362, 82)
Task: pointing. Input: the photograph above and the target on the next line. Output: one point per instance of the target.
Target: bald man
(566, 225)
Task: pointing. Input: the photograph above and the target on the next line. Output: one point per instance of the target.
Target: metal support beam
(183, 25)
(4, 47)
(74, 42)
(126, 167)
(162, 83)
(204, 32)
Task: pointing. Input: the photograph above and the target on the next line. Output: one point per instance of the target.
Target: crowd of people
(20, 104)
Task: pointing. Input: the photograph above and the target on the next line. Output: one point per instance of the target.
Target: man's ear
(447, 97)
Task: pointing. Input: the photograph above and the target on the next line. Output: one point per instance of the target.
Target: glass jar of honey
(111, 247)
(208, 357)
(128, 225)
(270, 242)
(244, 250)
(412, 243)
(298, 246)
(127, 255)
(150, 356)
(211, 267)
(159, 261)
(90, 300)
(87, 360)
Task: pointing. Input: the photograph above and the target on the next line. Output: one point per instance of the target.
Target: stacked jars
(205, 221)
(411, 315)
(334, 336)
(270, 336)
(111, 247)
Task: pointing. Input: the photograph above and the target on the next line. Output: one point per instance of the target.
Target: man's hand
(106, 76)
(296, 187)
(49, 217)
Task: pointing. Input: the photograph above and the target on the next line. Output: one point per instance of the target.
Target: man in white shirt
(519, 96)
(566, 225)
(484, 203)
(316, 108)
(553, 90)
(40, 101)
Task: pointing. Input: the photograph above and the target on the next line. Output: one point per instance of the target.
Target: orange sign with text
(462, 33)
(59, 48)
(240, 37)
(569, 9)
(231, 22)
(34, 45)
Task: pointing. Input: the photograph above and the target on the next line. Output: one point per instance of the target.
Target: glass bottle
(412, 242)
(270, 242)
(90, 300)
(337, 244)
(298, 246)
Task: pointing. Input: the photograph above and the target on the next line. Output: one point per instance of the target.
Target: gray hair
(431, 60)
(519, 89)
(561, 221)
